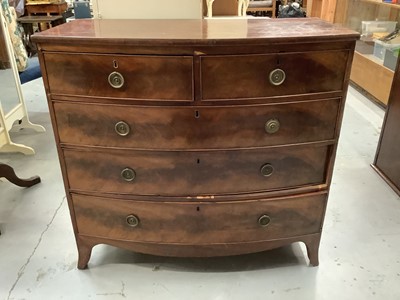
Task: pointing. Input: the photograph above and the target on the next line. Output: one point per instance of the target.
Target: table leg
(8, 173)
(28, 31)
(209, 8)
(245, 6)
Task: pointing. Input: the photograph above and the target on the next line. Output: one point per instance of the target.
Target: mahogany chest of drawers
(196, 137)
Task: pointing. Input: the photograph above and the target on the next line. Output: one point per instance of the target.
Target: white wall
(147, 9)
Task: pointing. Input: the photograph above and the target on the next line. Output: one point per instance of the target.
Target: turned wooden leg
(84, 251)
(312, 245)
(8, 173)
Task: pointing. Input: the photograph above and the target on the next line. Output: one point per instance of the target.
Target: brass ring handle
(122, 128)
(272, 126)
(128, 174)
(116, 80)
(264, 220)
(132, 220)
(277, 77)
(267, 170)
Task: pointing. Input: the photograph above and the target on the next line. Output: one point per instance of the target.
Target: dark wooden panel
(196, 127)
(146, 77)
(195, 173)
(387, 159)
(247, 76)
(199, 223)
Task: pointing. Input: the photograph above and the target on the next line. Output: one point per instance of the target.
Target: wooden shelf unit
(368, 72)
(377, 2)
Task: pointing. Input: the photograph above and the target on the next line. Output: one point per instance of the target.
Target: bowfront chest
(196, 137)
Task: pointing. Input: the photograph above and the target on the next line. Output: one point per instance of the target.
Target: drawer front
(248, 76)
(195, 173)
(199, 223)
(144, 77)
(196, 127)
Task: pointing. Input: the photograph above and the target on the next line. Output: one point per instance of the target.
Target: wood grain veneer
(198, 153)
(387, 162)
(210, 127)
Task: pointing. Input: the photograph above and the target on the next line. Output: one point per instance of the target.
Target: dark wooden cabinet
(182, 138)
(387, 159)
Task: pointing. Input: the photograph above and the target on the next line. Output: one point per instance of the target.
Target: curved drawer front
(195, 173)
(248, 76)
(196, 127)
(199, 223)
(143, 77)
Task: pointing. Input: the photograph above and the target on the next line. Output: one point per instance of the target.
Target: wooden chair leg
(274, 9)
(8, 173)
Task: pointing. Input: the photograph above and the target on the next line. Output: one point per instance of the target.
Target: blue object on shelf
(82, 10)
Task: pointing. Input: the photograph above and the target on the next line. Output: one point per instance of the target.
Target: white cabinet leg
(209, 8)
(26, 123)
(245, 6)
(13, 147)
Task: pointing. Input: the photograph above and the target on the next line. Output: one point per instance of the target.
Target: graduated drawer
(195, 173)
(144, 77)
(248, 76)
(199, 222)
(196, 127)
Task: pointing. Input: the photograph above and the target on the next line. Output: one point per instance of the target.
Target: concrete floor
(359, 253)
(8, 88)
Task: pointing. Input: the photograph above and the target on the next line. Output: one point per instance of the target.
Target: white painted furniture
(18, 112)
(154, 9)
(241, 7)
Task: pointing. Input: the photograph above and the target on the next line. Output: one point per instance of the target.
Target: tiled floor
(359, 253)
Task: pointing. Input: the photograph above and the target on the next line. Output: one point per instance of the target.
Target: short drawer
(196, 127)
(118, 76)
(174, 173)
(198, 223)
(258, 76)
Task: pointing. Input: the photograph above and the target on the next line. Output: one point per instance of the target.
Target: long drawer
(266, 75)
(196, 127)
(199, 223)
(120, 76)
(174, 173)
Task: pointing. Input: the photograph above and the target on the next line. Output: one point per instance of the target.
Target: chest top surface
(186, 32)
